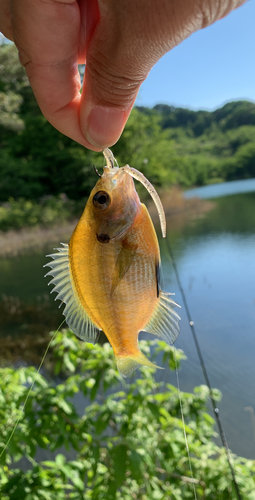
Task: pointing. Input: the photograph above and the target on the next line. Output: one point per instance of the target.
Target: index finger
(47, 34)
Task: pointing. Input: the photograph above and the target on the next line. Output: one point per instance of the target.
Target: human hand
(120, 41)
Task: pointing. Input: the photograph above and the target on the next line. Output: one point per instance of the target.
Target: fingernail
(104, 126)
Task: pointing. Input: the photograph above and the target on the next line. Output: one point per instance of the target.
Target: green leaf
(111, 490)
(69, 365)
(154, 409)
(95, 387)
(66, 407)
(136, 462)
(60, 459)
(119, 456)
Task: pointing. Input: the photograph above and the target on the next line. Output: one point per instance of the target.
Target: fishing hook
(99, 175)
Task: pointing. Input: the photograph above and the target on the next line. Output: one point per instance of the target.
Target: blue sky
(211, 67)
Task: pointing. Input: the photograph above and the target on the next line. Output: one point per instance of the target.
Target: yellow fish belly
(116, 281)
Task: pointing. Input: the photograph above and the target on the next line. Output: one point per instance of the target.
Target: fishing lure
(108, 275)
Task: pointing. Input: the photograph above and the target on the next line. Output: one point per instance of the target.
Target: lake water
(215, 256)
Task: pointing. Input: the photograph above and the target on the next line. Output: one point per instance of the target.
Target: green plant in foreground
(127, 443)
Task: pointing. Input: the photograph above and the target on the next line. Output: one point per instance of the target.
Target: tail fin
(128, 364)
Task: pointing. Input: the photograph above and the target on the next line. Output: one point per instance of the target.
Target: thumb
(129, 38)
(115, 69)
(106, 103)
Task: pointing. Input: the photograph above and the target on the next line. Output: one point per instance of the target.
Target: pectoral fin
(76, 316)
(123, 263)
(164, 321)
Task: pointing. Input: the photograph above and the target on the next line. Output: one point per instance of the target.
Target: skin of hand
(120, 42)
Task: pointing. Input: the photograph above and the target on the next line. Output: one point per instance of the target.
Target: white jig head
(110, 160)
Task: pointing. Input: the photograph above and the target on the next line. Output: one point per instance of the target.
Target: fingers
(5, 19)
(118, 59)
(47, 34)
(128, 40)
(121, 42)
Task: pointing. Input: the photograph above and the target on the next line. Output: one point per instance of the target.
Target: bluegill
(108, 275)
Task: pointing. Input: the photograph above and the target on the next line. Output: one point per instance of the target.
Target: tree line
(169, 145)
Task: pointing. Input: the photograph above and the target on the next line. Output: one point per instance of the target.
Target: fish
(108, 276)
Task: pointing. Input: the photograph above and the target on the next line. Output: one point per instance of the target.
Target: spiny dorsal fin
(164, 322)
(76, 317)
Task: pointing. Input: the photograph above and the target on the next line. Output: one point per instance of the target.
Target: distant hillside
(222, 140)
(170, 145)
(232, 115)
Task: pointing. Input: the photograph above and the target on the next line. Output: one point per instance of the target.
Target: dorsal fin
(76, 316)
(164, 322)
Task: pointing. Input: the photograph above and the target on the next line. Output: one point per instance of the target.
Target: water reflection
(25, 304)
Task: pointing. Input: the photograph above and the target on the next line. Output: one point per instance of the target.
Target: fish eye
(101, 200)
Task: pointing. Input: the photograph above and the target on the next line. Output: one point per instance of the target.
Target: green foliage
(196, 121)
(206, 147)
(243, 164)
(127, 443)
(232, 115)
(12, 74)
(51, 210)
(40, 161)
(144, 146)
(9, 107)
(235, 114)
(12, 81)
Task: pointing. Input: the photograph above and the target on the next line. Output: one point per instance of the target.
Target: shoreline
(12, 242)
(178, 210)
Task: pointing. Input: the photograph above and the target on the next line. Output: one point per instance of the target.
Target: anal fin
(164, 322)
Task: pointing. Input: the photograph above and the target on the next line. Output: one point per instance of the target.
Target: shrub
(24, 213)
(128, 443)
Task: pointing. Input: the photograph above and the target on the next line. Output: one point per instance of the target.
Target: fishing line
(183, 424)
(29, 392)
(206, 377)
